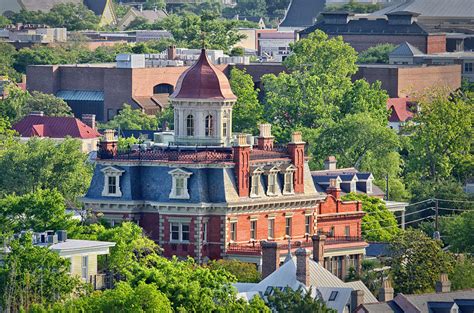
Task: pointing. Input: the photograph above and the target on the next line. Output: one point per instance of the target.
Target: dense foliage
(31, 275)
(354, 6)
(378, 224)
(376, 54)
(67, 15)
(294, 301)
(129, 118)
(247, 112)
(417, 262)
(44, 164)
(244, 272)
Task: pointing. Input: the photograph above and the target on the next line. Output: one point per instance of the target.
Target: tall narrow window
(190, 125)
(272, 184)
(271, 228)
(179, 186)
(174, 231)
(204, 232)
(233, 231)
(209, 126)
(184, 232)
(332, 231)
(85, 267)
(307, 224)
(288, 226)
(224, 129)
(112, 184)
(288, 186)
(255, 187)
(347, 231)
(253, 230)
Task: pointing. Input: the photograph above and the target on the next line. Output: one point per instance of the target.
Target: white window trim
(273, 173)
(256, 175)
(369, 186)
(179, 173)
(271, 220)
(180, 231)
(111, 171)
(232, 222)
(85, 267)
(290, 173)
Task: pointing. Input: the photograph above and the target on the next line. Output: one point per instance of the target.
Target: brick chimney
(108, 144)
(443, 285)
(242, 165)
(296, 150)
(330, 163)
(265, 140)
(318, 248)
(270, 257)
(302, 266)
(334, 189)
(89, 120)
(357, 298)
(386, 292)
(172, 52)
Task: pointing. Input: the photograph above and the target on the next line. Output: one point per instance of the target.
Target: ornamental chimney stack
(265, 140)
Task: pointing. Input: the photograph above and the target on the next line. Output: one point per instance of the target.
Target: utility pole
(386, 187)
(436, 234)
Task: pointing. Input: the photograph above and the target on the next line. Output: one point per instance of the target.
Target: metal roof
(433, 8)
(405, 49)
(80, 95)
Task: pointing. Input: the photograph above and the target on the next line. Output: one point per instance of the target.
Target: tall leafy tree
(376, 54)
(44, 164)
(248, 111)
(39, 211)
(130, 118)
(441, 134)
(34, 275)
(294, 301)
(417, 262)
(244, 272)
(48, 104)
(459, 232)
(379, 224)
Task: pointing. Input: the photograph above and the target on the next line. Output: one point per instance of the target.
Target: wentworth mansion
(211, 194)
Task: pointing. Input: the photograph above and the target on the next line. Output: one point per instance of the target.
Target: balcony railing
(254, 248)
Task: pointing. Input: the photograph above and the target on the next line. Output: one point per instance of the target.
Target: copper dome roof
(203, 81)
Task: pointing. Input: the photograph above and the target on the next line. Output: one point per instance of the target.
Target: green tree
(244, 272)
(293, 301)
(250, 8)
(378, 224)
(417, 262)
(459, 232)
(441, 134)
(39, 211)
(7, 58)
(154, 4)
(247, 112)
(376, 54)
(463, 274)
(194, 31)
(355, 7)
(38, 55)
(48, 104)
(34, 275)
(45, 164)
(4, 21)
(130, 118)
(12, 106)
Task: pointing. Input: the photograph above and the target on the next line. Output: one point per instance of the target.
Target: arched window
(209, 126)
(190, 125)
(163, 88)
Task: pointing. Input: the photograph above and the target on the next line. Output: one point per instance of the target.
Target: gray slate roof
(302, 13)
(405, 49)
(433, 8)
(45, 5)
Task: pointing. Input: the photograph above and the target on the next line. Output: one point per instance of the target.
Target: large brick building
(212, 195)
(395, 28)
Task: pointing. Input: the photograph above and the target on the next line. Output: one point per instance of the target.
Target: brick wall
(44, 78)
(329, 216)
(150, 222)
(436, 44)
(181, 249)
(412, 80)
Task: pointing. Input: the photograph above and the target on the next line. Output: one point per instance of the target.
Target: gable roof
(433, 8)
(302, 13)
(54, 127)
(405, 49)
(400, 108)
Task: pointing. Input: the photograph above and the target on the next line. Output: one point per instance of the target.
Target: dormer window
(179, 189)
(369, 186)
(272, 180)
(353, 186)
(112, 182)
(255, 184)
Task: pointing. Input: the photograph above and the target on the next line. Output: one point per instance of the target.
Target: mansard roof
(203, 81)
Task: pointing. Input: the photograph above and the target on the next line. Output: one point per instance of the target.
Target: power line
(462, 201)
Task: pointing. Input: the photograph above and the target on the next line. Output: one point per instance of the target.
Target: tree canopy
(129, 118)
(376, 54)
(247, 112)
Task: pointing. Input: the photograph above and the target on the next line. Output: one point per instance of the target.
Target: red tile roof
(401, 109)
(54, 127)
(203, 81)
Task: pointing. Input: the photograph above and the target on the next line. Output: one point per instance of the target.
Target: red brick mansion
(211, 194)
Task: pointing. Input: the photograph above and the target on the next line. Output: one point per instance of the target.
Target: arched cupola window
(209, 126)
(190, 125)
